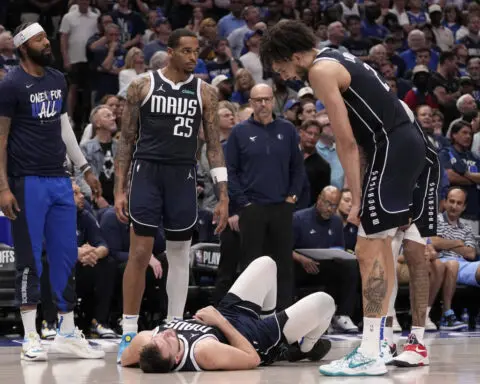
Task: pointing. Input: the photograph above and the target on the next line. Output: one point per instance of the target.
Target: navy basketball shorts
(162, 194)
(395, 166)
(265, 335)
(47, 221)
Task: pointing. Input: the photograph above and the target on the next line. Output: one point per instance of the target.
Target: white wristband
(219, 174)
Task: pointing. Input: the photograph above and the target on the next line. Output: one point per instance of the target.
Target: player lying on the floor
(237, 335)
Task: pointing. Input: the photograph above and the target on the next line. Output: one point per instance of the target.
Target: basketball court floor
(454, 359)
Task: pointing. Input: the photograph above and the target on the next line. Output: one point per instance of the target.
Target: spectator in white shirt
(349, 8)
(76, 28)
(150, 34)
(236, 39)
(134, 66)
(251, 60)
(398, 9)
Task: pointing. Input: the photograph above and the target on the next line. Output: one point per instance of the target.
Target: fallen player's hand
(209, 316)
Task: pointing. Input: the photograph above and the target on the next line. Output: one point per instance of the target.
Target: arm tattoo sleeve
(212, 134)
(4, 131)
(135, 94)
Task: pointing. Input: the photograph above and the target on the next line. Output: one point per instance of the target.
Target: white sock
(388, 331)
(370, 345)
(129, 324)
(66, 325)
(28, 319)
(178, 256)
(418, 332)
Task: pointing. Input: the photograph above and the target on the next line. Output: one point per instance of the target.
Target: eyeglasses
(328, 204)
(261, 100)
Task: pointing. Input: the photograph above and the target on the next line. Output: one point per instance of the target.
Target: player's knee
(267, 264)
(325, 305)
(140, 255)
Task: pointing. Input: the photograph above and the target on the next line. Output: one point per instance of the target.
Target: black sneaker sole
(318, 352)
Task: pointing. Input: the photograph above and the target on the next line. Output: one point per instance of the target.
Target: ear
(297, 58)
(170, 51)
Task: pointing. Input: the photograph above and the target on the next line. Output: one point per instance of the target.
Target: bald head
(261, 90)
(328, 201)
(416, 40)
(336, 32)
(330, 191)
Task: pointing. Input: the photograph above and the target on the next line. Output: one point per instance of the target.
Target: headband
(22, 36)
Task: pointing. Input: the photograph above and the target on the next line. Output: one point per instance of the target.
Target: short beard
(40, 58)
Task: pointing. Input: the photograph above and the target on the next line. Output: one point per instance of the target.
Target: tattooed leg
(419, 281)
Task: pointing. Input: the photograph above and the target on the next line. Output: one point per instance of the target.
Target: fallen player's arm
(327, 78)
(131, 354)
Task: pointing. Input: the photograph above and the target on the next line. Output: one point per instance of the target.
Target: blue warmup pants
(48, 217)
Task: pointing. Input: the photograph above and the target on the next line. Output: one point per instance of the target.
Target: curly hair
(284, 39)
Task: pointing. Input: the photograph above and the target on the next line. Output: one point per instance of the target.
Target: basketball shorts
(388, 187)
(162, 194)
(265, 335)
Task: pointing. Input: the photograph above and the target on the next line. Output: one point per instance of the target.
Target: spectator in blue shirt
(227, 24)
(162, 33)
(463, 170)
(416, 41)
(266, 175)
(417, 17)
(370, 28)
(319, 227)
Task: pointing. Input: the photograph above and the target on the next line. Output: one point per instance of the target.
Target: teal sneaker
(355, 364)
(126, 340)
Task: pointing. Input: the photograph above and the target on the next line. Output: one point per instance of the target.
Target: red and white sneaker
(414, 354)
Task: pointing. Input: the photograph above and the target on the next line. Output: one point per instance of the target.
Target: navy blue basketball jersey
(373, 110)
(34, 105)
(170, 117)
(190, 332)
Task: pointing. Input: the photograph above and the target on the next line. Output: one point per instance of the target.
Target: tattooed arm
(8, 203)
(136, 92)
(214, 151)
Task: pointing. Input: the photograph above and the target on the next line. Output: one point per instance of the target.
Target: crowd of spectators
(428, 52)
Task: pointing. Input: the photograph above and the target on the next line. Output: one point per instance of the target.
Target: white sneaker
(75, 345)
(354, 364)
(396, 325)
(32, 349)
(414, 354)
(98, 330)
(430, 325)
(344, 324)
(48, 331)
(387, 352)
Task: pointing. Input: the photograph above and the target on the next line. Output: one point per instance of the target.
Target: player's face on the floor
(185, 56)
(39, 50)
(167, 343)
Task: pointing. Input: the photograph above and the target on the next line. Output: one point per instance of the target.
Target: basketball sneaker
(388, 352)
(32, 349)
(317, 353)
(355, 364)
(76, 345)
(49, 330)
(126, 340)
(451, 323)
(344, 324)
(414, 354)
(99, 331)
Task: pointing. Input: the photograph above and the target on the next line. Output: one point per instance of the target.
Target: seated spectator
(112, 102)
(463, 170)
(416, 16)
(402, 86)
(290, 110)
(423, 114)
(251, 60)
(392, 44)
(244, 113)
(306, 112)
(100, 152)
(207, 37)
(422, 57)
(243, 84)
(134, 66)
(437, 273)
(472, 40)
(319, 227)
(108, 59)
(8, 58)
(149, 34)
(437, 122)
(282, 94)
(336, 36)
(349, 230)
(117, 236)
(416, 41)
(326, 148)
(224, 62)
(452, 18)
(236, 39)
(468, 110)
(162, 33)
(378, 56)
(306, 94)
(457, 249)
(370, 28)
(224, 87)
(356, 44)
(159, 60)
(443, 35)
(95, 270)
(419, 94)
(349, 8)
(197, 18)
(317, 169)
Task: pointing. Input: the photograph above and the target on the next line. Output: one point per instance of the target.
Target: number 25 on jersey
(183, 127)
